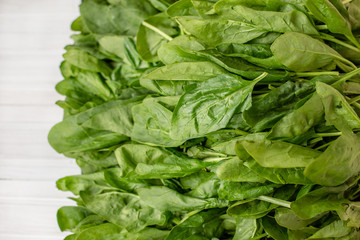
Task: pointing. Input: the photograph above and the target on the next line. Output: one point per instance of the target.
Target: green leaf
(209, 106)
(101, 17)
(233, 191)
(338, 163)
(234, 170)
(148, 162)
(334, 15)
(300, 52)
(166, 199)
(278, 154)
(335, 229)
(107, 231)
(268, 110)
(152, 33)
(124, 209)
(69, 217)
(202, 225)
(272, 229)
(287, 218)
(319, 201)
(152, 122)
(216, 31)
(246, 228)
(351, 214)
(300, 120)
(272, 21)
(78, 183)
(174, 78)
(337, 111)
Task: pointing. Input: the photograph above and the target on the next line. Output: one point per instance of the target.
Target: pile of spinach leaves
(212, 119)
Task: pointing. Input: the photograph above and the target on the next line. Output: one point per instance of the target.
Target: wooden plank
(25, 133)
(36, 217)
(31, 189)
(59, 236)
(37, 169)
(16, 236)
(35, 96)
(53, 8)
(20, 114)
(32, 37)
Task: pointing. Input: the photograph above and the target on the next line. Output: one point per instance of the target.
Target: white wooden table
(32, 36)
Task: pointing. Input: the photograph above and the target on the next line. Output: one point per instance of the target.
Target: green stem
(344, 60)
(155, 29)
(314, 74)
(324, 145)
(321, 27)
(241, 132)
(259, 237)
(335, 40)
(333, 134)
(357, 105)
(315, 140)
(354, 100)
(347, 77)
(343, 66)
(353, 40)
(276, 201)
(262, 76)
(215, 159)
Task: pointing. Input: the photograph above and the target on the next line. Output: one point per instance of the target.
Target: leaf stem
(324, 145)
(354, 100)
(313, 74)
(260, 77)
(321, 27)
(346, 1)
(155, 29)
(353, 40)
(259, 237)
(276, 201)
(333, 134)
(315, 140)
(347, 77)
(335, 40)
(344, 60)
(355, 104)
(241, 132)
(215, 159)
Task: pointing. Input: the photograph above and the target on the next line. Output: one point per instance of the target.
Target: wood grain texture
(32, 37)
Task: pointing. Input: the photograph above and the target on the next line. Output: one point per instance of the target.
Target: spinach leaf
(202, 225)
(278, 154)
(124, 209)
(265, 112)
(105, 17)
(300, 52)
(300, 120)
(216, 31)
(148, 162)
(246, 228)
(166, 199)
(152, 121)
(336, 229)
(209, 106)
(337, 111)
(272, 21)
(334, 15)
(152, 33)
(338, 163)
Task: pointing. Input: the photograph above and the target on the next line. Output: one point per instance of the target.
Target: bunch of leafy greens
(206, 119)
